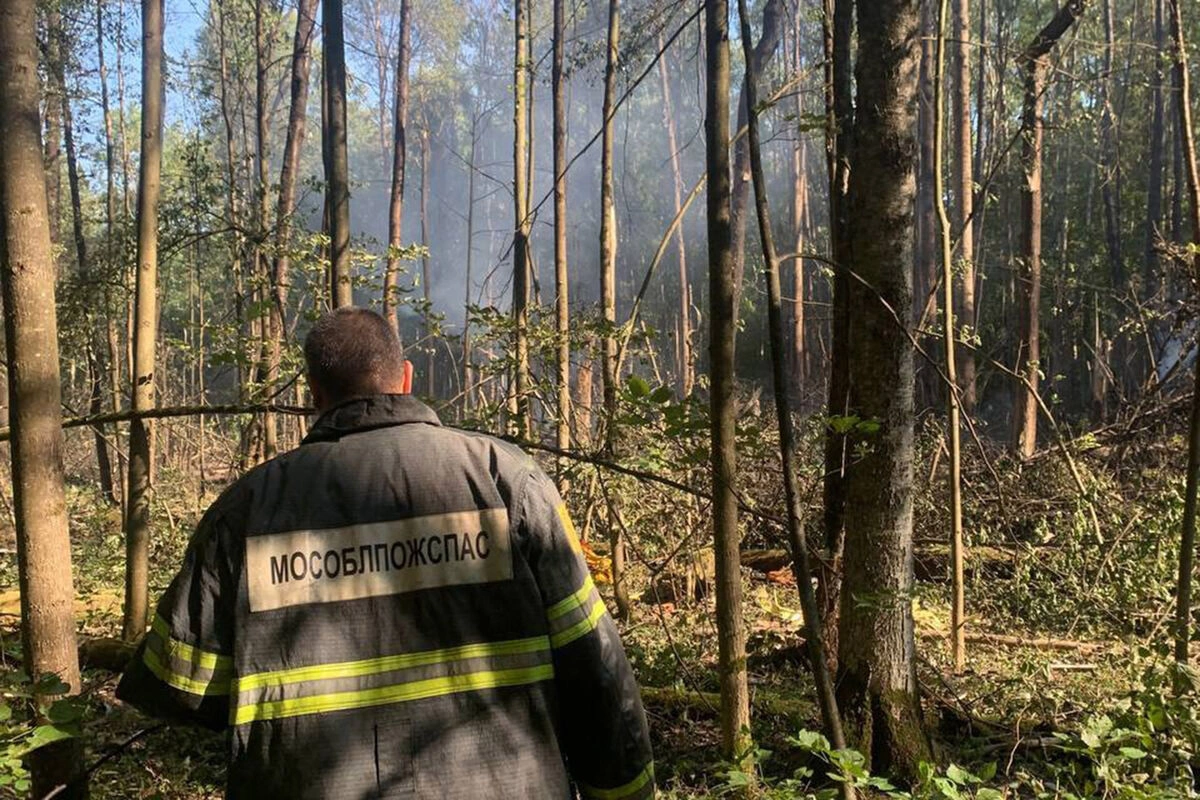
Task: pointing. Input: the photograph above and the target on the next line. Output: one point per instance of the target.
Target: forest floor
(1064, 693)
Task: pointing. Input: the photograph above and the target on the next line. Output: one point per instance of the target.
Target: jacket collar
(368, 413)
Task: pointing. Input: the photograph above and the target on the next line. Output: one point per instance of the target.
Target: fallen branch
(1017, 641)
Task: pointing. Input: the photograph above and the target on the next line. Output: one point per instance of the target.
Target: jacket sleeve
(603, 728)
(183, 667)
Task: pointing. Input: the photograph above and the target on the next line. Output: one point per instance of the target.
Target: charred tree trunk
(877, 681)
(1037, 64)
(34, 393)
(137, 522)
(1187, 545)
(288, 174)
(337, 165)
(391, 288)
(731, 631)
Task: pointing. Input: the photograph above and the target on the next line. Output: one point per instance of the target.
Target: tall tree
(958, 638)
(877, 681)
(1036, 62)
(1154, 157)
(519, 399)
(683, 356)
(562, 308)
(34, 393)
(964, 193)
(289, 172)
(337, 161)
(1187, 545)
(608, 286)
(801, 567)
(391, 275)
(1110, 165)
(731, 631)
(137, 520)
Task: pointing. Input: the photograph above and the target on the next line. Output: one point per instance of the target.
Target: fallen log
(112, 655)
(1017, 641)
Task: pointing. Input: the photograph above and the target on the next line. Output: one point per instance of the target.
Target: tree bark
(839, 111)
(391, 288)
(1110, 164)
(289, 172)
(337, 166)
(877, 682)
(684, 359)
(958, 646)
(801, 568)
(964, 198)
(34, 391)
(1187, 544)
(1036, 63)
(137, 522)
(562, 308)
(1154, 157)
(797, 356)
(519, 400)
(731, 632)
(608, 289)
(426, 275)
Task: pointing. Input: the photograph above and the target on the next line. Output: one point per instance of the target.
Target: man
(394, 609)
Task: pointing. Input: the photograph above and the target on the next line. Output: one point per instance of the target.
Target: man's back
(397, 609)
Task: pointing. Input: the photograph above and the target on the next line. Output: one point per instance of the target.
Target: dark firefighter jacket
(397, 610)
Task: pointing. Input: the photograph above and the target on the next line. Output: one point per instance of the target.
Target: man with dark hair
(394, 609)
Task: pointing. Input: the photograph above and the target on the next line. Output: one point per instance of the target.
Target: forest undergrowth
(1064, 694)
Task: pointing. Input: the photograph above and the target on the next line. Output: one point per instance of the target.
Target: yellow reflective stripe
(186, 652)
(628, 790)
(373, 666)
(569, 526)
(416, 690)
(581, 628)
(200, 686)
(572, 601)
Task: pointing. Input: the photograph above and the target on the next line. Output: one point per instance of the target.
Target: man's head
(353, 352)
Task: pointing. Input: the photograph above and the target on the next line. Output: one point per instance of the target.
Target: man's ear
(406, 380)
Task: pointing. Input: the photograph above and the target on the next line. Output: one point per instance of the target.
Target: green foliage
(28, 721)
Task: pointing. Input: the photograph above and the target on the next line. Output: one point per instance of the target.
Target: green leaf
(1133, 753)
(987, 772)
(958, 775)
(638, 386)
(662, 394)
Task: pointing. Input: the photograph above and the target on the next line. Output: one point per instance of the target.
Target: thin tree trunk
(1110, 165)
(263, 273)
(53, 144)
(787, 439)
(468, 377)
(877, 681)
(288, 174)
(1037, 64)
(1187, 543)
(608, 289)
(426, 286)
(839, 110)
(518, 396)
(958, 638)
(964, 198)
(1154, 156)
(337, 168)
(391, 275)
(731, 631)
(562, 308)
(34, 393)
(684, 358)
(798, 358)
(137, 523)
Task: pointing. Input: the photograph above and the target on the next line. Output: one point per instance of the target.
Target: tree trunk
(958, 646)
(468, 377)
(53, 143)
(731, 631)
(608, 289)
(391, 275)
(787, 439)
(137, 522)
(964, 198)
(877, 681)
(1037, 64)
(518, 398)
(289, 172)
(1110, 165)
(684, 359)
(263, 274)
(426, 276)
(34, 392)
(764, 51)
(1154, 157)
(562, 308)
(1187, 545)
(839, 111)
(337, 166)
(797, 356)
